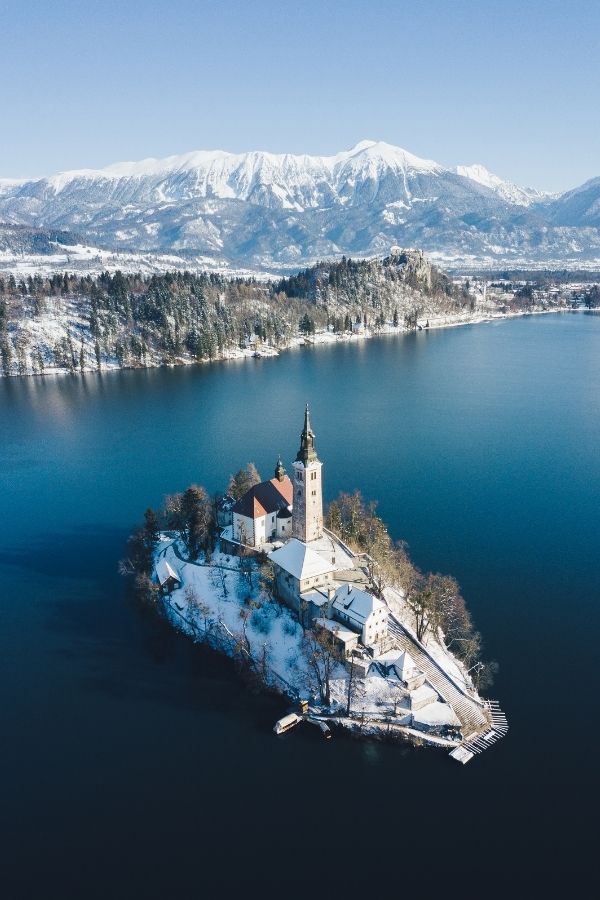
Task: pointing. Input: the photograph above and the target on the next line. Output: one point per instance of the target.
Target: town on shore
(353, 640)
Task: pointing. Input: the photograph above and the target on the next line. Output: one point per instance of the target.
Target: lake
(135, 764)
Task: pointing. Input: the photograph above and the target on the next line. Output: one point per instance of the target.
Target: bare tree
(243, 480)
(320, 647)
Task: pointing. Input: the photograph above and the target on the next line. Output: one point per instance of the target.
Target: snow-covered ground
(273, 635)
(218, 602)
(82, 259)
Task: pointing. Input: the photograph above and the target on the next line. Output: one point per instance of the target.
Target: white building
(402, 665)
(361, 611)
(299, 569)
(264, 513)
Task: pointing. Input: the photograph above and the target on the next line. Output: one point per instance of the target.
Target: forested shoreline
(72, 323)
(69, 323)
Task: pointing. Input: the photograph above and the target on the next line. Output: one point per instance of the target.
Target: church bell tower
(307, 510)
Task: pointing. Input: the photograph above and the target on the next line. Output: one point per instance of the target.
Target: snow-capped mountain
(512, 193)
(265, 210)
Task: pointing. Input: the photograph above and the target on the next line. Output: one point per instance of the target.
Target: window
(314, 493)
(298, 476)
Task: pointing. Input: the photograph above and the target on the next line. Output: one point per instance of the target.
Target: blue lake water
(137, 765)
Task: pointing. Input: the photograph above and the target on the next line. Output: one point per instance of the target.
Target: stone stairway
(474, 718)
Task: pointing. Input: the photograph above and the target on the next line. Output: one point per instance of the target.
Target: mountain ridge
(264, 210)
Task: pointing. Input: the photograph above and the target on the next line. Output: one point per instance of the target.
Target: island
(324, 609)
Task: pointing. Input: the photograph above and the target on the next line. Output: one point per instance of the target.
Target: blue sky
(514, 86)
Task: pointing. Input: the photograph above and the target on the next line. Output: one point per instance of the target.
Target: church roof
(299, 560)
(264, 498)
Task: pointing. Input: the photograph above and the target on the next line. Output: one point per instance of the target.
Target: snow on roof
(164, 571)
(264, 498)
(403, 663)
(299, 560)
(355, 602)
(317, 598)
(423, 694)
(436, 714)
(345, 635)
(328, 546)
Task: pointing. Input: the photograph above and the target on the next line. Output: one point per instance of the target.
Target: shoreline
(268, 643)
(319, 339)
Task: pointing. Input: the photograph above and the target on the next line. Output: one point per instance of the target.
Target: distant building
(264, 513)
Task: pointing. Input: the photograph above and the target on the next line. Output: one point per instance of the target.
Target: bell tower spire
(307, 452)
(307, 511)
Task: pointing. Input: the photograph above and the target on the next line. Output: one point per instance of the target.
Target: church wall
(243, 527)
(284, 529)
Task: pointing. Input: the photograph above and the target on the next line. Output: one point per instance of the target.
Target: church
(315, 574)
(279, 509)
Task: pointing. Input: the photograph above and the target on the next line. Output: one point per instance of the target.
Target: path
(473, 717)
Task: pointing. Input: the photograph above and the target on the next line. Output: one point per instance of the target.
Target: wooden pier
(480, 741)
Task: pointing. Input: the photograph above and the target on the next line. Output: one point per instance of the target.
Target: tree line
(137, 320)
(435, 601)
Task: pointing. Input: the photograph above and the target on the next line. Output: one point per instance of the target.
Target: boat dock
(480, 741)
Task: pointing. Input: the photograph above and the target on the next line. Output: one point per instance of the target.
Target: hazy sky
(512, 85)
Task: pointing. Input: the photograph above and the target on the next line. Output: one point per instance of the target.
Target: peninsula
(323, 609)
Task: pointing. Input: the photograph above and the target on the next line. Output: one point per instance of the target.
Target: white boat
(287, 723)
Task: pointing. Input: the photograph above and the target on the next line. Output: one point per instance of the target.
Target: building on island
(362, 612)
(344, 639)
(299, 569)
(403, 667)
(264, 513)
(307, 577)
(168, 579)
(315, 574)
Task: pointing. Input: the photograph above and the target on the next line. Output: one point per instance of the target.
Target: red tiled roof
(264, 498)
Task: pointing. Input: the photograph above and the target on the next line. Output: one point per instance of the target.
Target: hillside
(69, 323)
(268, 212)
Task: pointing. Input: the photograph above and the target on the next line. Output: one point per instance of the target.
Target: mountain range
(266, 211)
